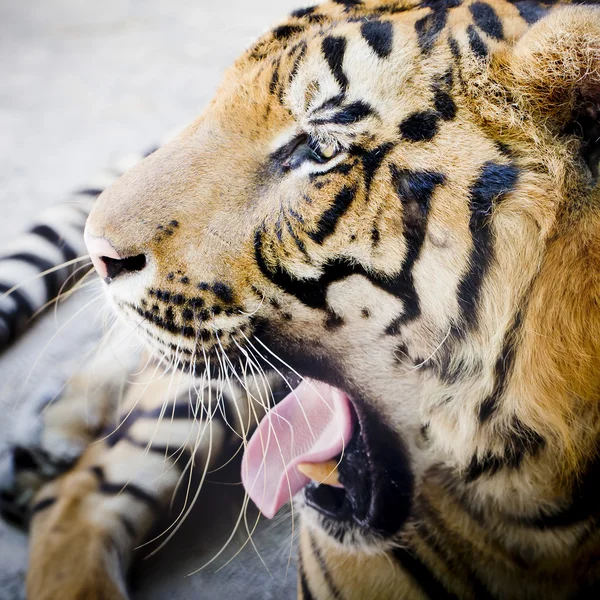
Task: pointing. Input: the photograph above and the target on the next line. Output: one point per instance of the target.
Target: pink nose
(107, 261)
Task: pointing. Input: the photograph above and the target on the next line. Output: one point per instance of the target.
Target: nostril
(108, 262)
(117, 266)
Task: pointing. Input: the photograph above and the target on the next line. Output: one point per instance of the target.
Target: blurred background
(83, 83)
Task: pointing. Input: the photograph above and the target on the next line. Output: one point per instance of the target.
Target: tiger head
(397, 199)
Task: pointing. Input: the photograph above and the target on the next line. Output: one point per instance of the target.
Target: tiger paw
(72, 558)
(49, 435)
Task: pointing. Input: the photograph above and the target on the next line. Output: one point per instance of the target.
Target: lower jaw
(344, 533)
(341, 516)
(377, 481)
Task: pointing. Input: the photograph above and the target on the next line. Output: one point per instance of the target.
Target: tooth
(325, 472)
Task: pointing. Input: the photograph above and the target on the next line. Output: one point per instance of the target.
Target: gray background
(82, 83)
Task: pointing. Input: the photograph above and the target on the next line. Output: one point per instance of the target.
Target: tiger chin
(398, 204)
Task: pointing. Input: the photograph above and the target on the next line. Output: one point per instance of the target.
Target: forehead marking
(487, 20)
(334, 50)
(348, 3)
(420, 126)
(530, 11)
(274, 83)
(285, 32)
(304, 12)
(478, 46)
(348, 115)
(380, 37)
(299, 52)
(429, 27)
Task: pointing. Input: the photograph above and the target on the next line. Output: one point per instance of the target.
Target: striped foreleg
(86, 524)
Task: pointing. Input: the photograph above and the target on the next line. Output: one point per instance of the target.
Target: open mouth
(350, 467)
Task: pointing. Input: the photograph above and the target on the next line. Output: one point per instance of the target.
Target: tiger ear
(554, 71)
(555, 66)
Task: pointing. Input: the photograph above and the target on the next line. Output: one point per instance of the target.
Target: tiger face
(369, 201)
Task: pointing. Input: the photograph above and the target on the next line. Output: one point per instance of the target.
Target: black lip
(377, 479)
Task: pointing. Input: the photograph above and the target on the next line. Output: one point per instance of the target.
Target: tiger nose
(108, 262)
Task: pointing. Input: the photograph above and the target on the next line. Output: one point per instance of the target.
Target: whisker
(424, 362)
(18, 286)
(51, 340)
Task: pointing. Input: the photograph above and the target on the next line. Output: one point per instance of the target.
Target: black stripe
(16, 320)
(330, 103)
(371, 161)
(4, 329)
(47, 233)
(164, 451)
(284, 32)
(420, 126)
(132, 490)
(423, 576)
(478, 46)
(52, 281)
(309, 292)
(42, 505)
(299, 243)
(583, 506)
(442, 98)
(114, 434)
(519, 441)
(300, 51)
(489, 464)
(348, 3)
(24, 307)
(173, 453)
(502, 368)
(440, 4)
(414, 189)
(329, 219)
(530, 10)
(274, 83)
(334, 592)
(348, 115)
(487, 20)
(306, 593)
(454, 49)
(97, 472)
(334, 49)
(179, 410)
(430, 26)
(444, 105)
(303, 12)
(492, 185)
(380, 37)
(313, 292)
(457, 556)
(343, 168)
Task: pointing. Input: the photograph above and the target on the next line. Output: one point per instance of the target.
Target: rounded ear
(553, 73)
(555, 66)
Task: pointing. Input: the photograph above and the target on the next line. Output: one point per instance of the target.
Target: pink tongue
(313, 424)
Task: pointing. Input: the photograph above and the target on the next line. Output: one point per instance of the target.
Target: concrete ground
(82, 83)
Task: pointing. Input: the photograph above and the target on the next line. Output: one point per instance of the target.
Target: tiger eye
(327, 151)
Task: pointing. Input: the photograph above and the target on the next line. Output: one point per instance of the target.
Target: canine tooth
(325, 472)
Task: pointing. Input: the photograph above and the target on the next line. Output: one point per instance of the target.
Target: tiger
(393, 207)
